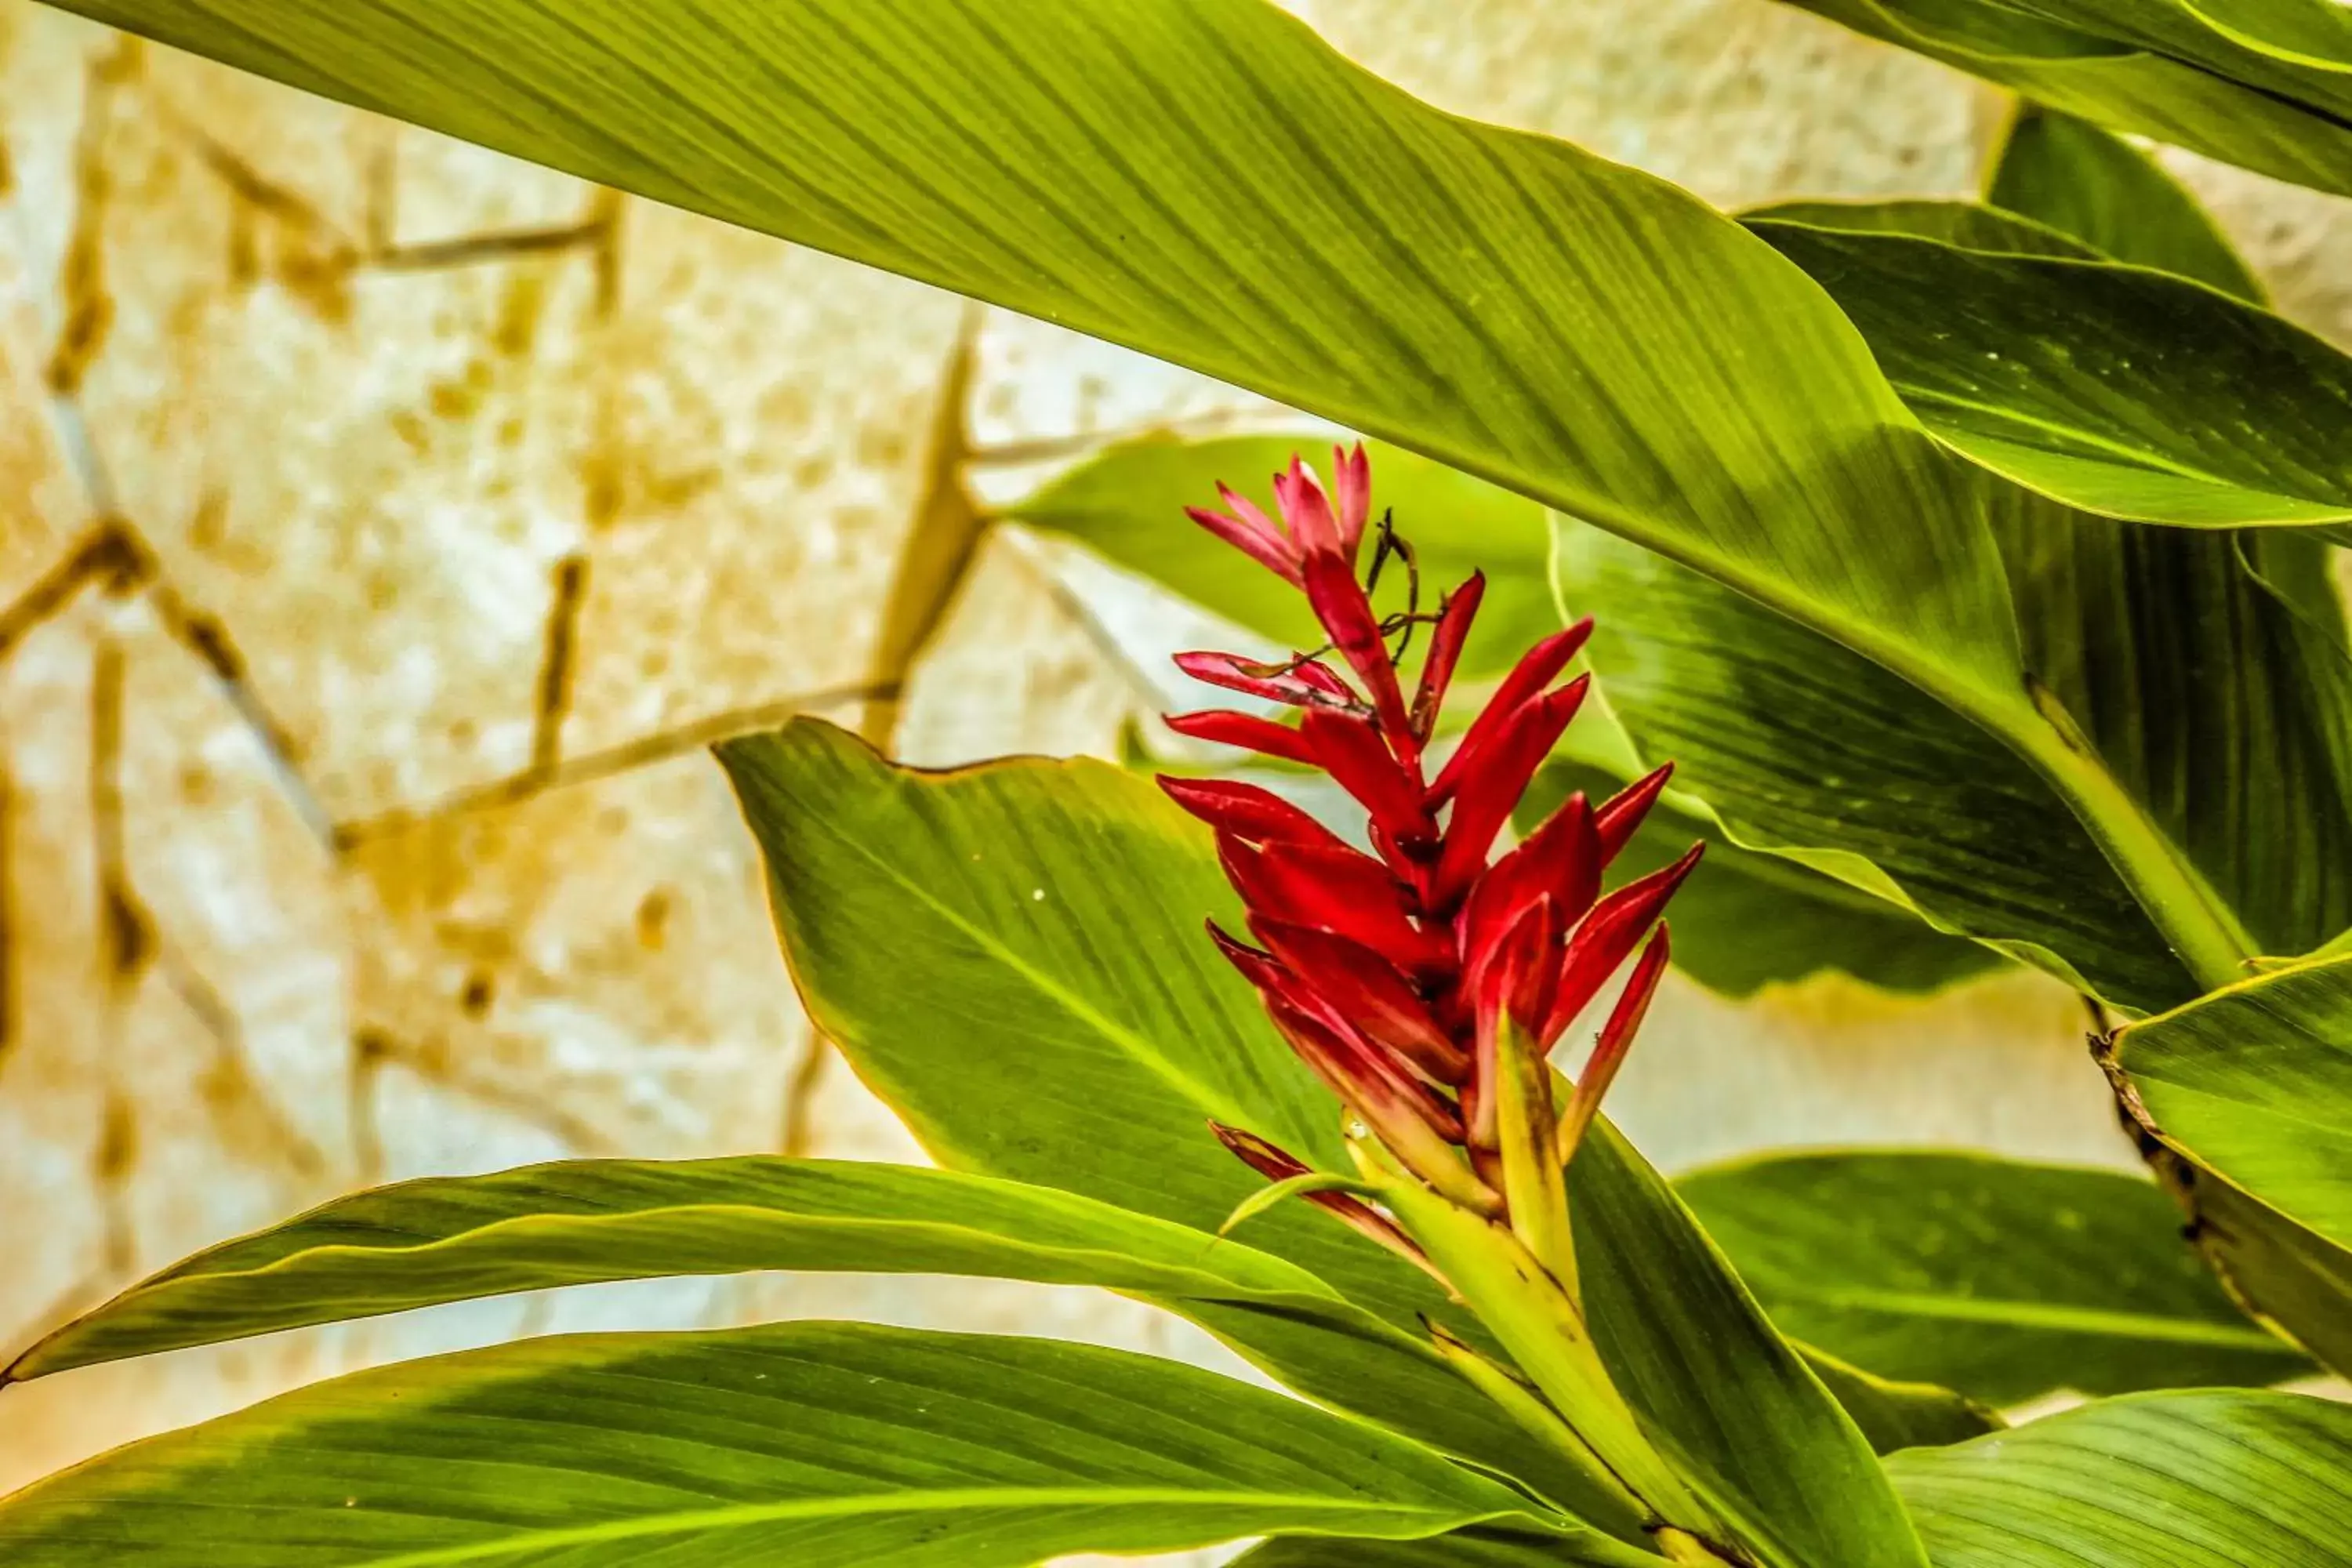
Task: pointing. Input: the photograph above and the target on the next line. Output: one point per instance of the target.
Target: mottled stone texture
(385, 526)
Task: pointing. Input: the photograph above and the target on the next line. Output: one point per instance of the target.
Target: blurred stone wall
(385, 526)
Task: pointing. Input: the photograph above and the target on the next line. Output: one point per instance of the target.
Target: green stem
(1525, 1308)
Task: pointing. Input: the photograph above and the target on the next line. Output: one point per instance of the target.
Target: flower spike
(1424, 983)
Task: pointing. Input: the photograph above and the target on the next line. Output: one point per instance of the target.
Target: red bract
(1402, 975)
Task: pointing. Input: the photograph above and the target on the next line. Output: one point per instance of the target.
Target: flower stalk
(1426, 979)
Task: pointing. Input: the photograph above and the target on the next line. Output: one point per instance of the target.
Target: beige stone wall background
(385, 526)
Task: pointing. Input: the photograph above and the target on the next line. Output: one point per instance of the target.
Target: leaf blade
(2193, 1480)
(1748, 1424)
(1083, 1040)
(2113, 388)
(2004, 1279)
(2094, 186)
(437, 1240)
(935, 1449)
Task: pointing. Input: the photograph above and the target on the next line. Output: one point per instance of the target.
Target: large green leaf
(426, 1242)
(2207, 671)
(2104, 76)
(1801, 747)
(2087, 182)
(2243, 1102)
(820, 1445)
(1204, 180)
(2209, 1480)
(1748, 1425)
(1486, 1548)
(2296, 49)
(1126, 502)
(1011, 955)
(2256, 1083)
(2280, 1270)
(1744, 921)
(2000, 1278)
(420, 1243)
(2117, 389)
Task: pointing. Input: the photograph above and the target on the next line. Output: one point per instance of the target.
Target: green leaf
(2209, 1480)
(2002, 1280)
(1012, 956)
(2280, 1270)
(1485, 1548)
(2243, 1099)
(1801, 748)
(2250, 46)
(2117, 389)
(1744, 921)
(1126, 502)
(2115, 82)
(420, 1243)
(1746, 1424)
(2097, 187)
(1892, 1415)
(820, 1445)
(1204, 180)
(2213, 685)
(2256, 1082)
(1971, 226)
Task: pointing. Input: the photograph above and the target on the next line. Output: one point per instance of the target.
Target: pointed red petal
(1535, 670)
(1367, 990)
(1484, 800)
(1560, 861)
(1607, 934)
(1397, 1107)
(1247, 731)
(1340, 602)
(1520, 982)
(1245, 811)
(1336, 890)
(1307, 510)
(1302, 684)
(1616, 1040)
(1269, 1160)
(1252, 534)
(1620, 818)
(1352, 488)
(1516, 984)
(1453, 618)
(1276, 983)
(1351, 750)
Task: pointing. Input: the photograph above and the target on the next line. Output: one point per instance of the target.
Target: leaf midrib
(970, 1498)
(2105, 1322)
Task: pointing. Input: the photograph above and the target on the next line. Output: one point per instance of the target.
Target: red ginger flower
(1406, 977)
